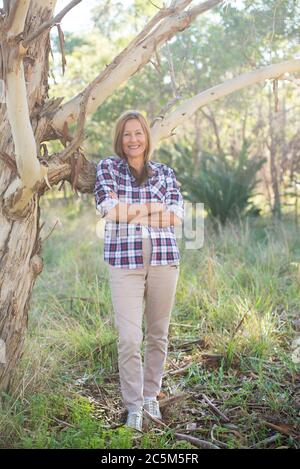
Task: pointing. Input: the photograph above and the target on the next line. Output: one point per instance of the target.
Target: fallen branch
(267, 441)
(201, 342)
(155, 419)
(180, 371)
(62, 422)
(171, 400)
(217, 442)
(180, 436)
(196, 442)
(212, 359)
(279, 428)
(215, 409)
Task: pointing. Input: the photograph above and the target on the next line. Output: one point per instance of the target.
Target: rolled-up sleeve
(105, 183)
(173, 198)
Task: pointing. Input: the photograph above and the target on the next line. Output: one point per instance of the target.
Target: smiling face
(134, 139)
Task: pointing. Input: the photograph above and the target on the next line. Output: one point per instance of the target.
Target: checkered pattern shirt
(123, 241)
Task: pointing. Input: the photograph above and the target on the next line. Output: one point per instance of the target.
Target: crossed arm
(153, 214)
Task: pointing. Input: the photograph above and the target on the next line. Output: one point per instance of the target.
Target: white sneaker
(135, 420)
(152, 406)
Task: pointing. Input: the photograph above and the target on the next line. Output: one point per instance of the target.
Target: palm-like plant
(224, 184)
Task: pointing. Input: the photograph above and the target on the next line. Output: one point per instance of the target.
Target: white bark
(20, 244)
(17, 17)
(20, 191)
(164, 127)
(19, 119)
(25, 150)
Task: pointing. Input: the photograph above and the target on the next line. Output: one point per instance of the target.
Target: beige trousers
(135, 291)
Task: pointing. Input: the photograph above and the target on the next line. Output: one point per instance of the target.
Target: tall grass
(242, 286)
(240, 292)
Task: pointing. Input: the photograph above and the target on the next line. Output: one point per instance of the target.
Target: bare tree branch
(161, 28)
(164, 127)
(152, 23)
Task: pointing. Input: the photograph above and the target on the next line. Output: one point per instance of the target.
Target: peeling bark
(20, 262)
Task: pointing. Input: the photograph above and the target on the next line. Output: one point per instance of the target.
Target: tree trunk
(20, 264)
(20, 244)
(29, 118)
(274, 169)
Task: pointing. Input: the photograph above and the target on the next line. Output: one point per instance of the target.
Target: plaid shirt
(123, 241)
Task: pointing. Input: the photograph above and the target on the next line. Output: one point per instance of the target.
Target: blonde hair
(118, 143)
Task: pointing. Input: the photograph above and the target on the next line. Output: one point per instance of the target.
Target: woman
(142, 203)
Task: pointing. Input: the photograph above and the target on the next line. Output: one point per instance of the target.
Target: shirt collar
(154, 168)
(150, 164)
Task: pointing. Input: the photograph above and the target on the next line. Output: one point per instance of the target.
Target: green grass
(239, 294)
